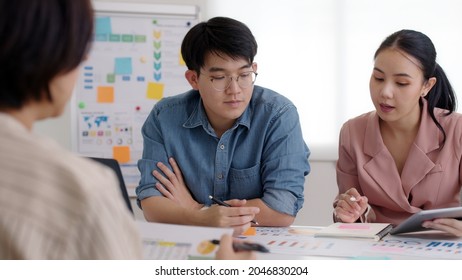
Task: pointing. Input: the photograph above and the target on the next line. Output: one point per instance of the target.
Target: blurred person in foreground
(54, 204)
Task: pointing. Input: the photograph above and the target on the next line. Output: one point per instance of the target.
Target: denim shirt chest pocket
(245, 183)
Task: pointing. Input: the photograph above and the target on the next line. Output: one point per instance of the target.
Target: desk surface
(164, 241)
(298, 242)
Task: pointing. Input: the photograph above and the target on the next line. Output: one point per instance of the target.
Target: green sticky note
(114, 37)
(140, 38)
(127, 38)
(110, 78)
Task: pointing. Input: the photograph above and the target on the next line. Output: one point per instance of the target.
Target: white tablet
(414, 222)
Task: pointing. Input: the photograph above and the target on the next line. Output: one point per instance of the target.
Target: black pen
(245, 246)
(222, 203)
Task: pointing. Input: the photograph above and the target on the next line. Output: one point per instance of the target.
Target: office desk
(298, 242)
(166, 241)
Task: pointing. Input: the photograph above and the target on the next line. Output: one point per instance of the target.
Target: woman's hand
(226, 251)
(451, 226)
(350, 206)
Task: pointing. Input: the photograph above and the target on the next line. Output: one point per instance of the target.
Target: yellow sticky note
(105, 95)
(121, 153)
(250, 231)
(181, 60)
(155, 91)
(156, 34)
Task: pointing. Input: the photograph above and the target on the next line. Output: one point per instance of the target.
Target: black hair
(221, 36)
(38, 41)
(419, 46)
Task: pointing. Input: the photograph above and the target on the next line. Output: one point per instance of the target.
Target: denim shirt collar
(199, 117)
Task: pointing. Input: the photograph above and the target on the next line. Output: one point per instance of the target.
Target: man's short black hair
(221, 36)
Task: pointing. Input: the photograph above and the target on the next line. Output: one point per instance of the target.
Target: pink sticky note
(353, 226)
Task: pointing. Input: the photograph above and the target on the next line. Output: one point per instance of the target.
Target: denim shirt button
(222, 146)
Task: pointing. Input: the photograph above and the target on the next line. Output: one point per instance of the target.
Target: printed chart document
(300, 242)
(178, 242)
(375, 231)
(428, 245)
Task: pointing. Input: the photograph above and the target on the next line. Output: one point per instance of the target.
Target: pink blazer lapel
(418, 165)
(381, 167)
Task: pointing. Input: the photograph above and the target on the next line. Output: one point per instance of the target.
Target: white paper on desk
(300, 241)
(178, 242)
(418, 246)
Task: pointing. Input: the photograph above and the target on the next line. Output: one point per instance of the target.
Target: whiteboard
(134, 62)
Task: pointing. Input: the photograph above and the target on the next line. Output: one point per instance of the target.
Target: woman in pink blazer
(405, 156)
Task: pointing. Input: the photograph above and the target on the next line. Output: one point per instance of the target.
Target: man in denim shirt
(227, 138)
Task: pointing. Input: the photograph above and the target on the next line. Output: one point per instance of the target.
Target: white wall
(320, 190)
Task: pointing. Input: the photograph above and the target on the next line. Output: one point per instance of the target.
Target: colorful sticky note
(157, 55)
(181, 60)
(123, 66)
(128, 38)
(155, 91)
(250, 231)
(121, 153)
(114, 37)
(105, 94)
(103, 26)
(157, 45)
(354, 226)
(140, 38)
(156, 34)
(157, 76)
(110, 78)
(157, 65)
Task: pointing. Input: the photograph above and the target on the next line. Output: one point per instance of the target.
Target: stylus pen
(222, 203)
(245, 246)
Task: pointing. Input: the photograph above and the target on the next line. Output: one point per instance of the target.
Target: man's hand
(172, 186)
(238, 217)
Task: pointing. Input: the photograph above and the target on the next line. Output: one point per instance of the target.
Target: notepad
(374, 231)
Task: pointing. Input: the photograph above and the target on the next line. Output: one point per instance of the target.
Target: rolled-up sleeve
(153, 152)
(285, 163)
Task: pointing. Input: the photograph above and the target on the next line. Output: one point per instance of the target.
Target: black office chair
(114, 165)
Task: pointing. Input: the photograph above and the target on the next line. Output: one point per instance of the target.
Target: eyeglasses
(244, 80)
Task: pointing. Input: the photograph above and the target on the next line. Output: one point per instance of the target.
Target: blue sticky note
(123, 66)
(103, 26)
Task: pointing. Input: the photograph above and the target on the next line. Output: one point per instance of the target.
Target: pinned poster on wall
(135, 61)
